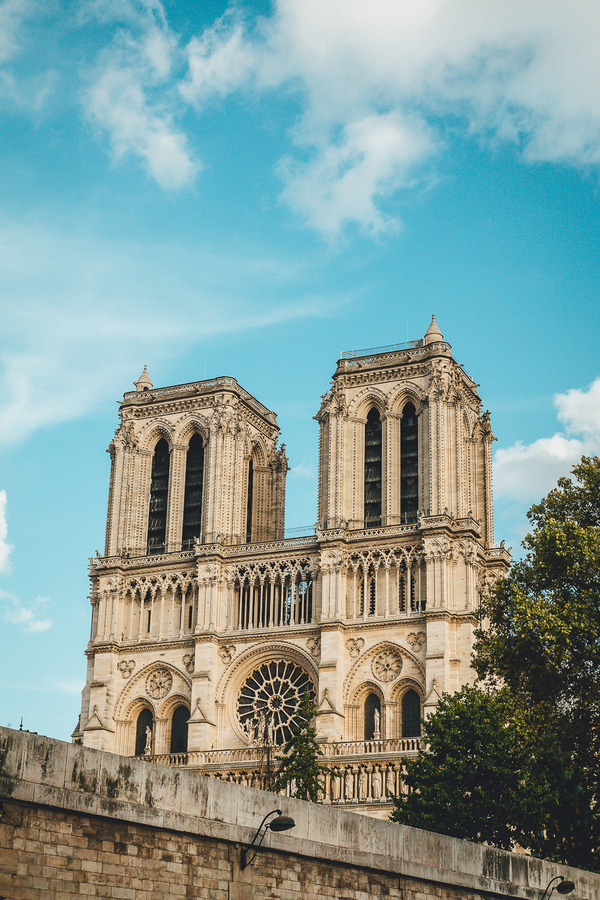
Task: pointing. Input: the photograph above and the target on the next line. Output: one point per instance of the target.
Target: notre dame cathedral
(208, 624)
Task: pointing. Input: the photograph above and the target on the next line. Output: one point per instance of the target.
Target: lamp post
(563, 887)
(279, 823)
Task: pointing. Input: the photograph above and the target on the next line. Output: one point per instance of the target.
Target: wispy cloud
(526, 472)
(28, 617)
(375, 83)
(56, 367)
(133, 68)
(5, 547)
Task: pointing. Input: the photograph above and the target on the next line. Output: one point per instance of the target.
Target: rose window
(268, 701)
(159, 683)
(387, 665)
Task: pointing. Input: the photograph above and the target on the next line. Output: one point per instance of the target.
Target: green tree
(485, 775)
(537, 654)
(300, 767)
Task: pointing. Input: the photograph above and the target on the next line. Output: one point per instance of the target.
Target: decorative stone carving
(227, 653)
(417, 640)
(159, 683)
(188, 662)
(126, 667)
(354, 646)
(386, 666)
(314, 646)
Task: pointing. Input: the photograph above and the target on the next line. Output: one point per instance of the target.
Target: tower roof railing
(371, 351)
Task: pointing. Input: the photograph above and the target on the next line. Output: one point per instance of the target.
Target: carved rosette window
(268, 701)
(159, 683)
(387, 666)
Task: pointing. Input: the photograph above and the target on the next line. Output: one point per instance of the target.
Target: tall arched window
(411, 714)
(179, 730)
(372, 721)
(409, 464)
(373, 470)
(249, 501)
(159, 491)
(144, 720)
(192, 500)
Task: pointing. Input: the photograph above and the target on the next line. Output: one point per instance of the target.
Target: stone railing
(129, 562)
(372, 781)
(201, 387)
(408, 746)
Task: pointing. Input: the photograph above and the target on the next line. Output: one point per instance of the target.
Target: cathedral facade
(208, 624)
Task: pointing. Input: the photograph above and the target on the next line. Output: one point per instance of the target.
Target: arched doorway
(144, 720)
(179, 730)
(372, 717)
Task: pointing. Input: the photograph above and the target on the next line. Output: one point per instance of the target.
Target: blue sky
(249, 190)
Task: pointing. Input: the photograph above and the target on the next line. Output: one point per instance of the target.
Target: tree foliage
(536, 709)
(300, 767)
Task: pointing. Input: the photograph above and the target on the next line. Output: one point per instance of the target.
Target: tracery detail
(159, 683)
(268, 701)
(387, 666)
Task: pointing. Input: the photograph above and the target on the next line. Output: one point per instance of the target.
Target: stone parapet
(128, 829)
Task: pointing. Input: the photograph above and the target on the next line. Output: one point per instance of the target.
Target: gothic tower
(208, 624)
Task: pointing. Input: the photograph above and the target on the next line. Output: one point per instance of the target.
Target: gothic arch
(407, 394)
(356, 676)
(189, 426)
(233, 678)
(134, 689)
(171, 703)
(153, 432)
(367, 399)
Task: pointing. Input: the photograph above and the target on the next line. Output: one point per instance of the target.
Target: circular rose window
(268, 701)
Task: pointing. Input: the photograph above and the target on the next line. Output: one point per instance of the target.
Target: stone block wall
(80, 822)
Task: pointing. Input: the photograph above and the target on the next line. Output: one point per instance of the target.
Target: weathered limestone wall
(77, 821)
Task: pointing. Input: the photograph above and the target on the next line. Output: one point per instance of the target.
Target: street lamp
(279, 823)
(564, 887)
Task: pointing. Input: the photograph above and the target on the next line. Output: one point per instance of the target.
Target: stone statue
(336, 785)
(377, 719)
(363, 785)
(390, 782)
(349, 782)
(148, 746)
(376, 784)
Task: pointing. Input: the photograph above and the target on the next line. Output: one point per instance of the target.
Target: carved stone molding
(159, 683)
(387, 666)
(188, 662)
(227, 652)
(354, 646)
(126, 667)
(417, 640)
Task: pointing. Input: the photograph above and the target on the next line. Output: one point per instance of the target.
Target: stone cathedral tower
(208, 624)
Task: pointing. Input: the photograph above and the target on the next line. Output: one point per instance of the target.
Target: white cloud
(527, 71)
(526, 472)
(134, 66)
(81, 315)
(26, 616)
(5, 547)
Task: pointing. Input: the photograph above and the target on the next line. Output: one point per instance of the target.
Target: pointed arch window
(372, 721)
(249, 501)
(373, 448)
(192, 500)
(409, 464)
(159, 491)
(411, 715)
(179, 730)
(142, 745)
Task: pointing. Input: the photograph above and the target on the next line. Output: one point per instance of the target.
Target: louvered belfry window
(159, 490)
(249, 501)
(192, 501)
(409, 464)
(373, 470)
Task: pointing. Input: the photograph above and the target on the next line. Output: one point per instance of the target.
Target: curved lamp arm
(563, 887)
(246, 850)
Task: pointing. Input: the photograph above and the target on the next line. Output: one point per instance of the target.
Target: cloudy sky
(249, 190)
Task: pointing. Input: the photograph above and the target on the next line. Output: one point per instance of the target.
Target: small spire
(433, 333)
(143, 383)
